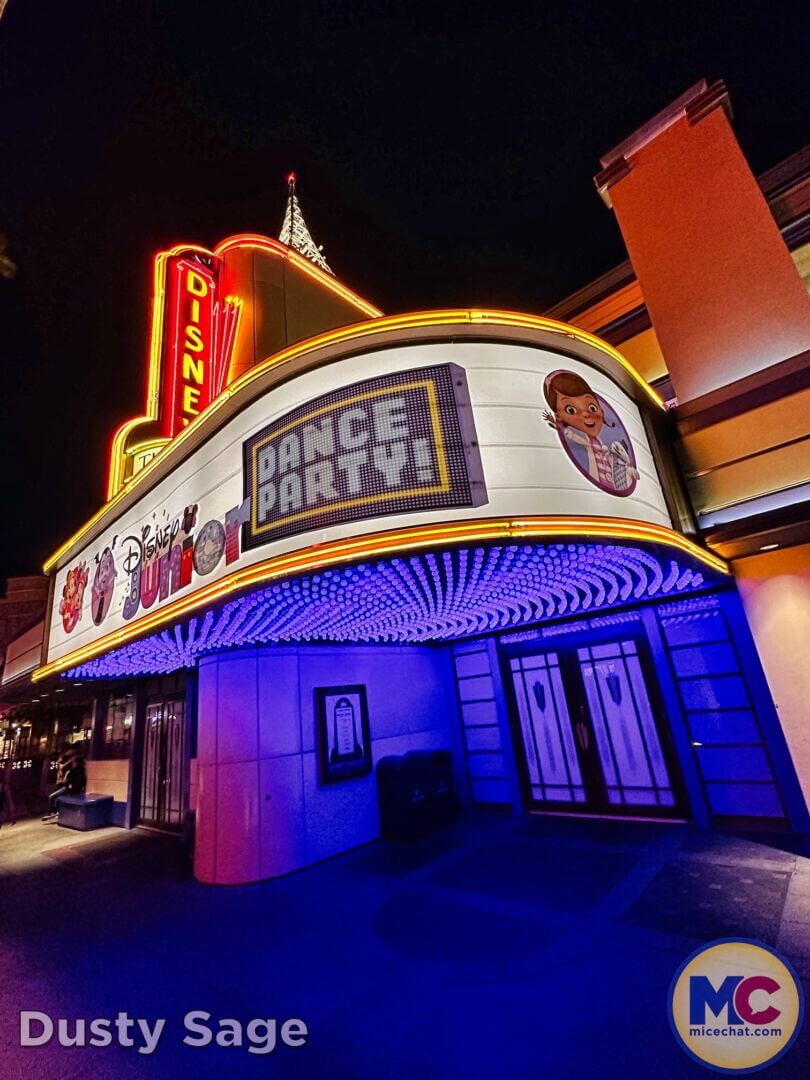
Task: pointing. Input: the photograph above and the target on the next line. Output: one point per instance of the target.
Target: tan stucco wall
(108, 778)
(775, 591)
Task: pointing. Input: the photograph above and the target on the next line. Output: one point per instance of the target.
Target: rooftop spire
(294, 232)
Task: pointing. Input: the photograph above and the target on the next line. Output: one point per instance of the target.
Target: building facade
(335, 536)
(712, 308)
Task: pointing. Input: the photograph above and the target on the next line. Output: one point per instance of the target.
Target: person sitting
(60, 789)
(71, 780)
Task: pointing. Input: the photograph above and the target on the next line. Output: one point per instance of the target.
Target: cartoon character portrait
(591, 432)
(70, 606)
(103, 585)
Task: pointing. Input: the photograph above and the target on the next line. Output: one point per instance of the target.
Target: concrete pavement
(502, 947)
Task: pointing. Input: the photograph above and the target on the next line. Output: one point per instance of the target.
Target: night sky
(445, 155)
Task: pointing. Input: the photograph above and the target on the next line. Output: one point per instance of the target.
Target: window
(117, 728)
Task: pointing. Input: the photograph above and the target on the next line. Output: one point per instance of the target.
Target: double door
(592, 735)
(163, 775)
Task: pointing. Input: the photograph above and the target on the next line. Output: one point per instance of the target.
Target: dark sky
(445, 154)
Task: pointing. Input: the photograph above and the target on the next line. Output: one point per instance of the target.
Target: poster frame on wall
(334, 767)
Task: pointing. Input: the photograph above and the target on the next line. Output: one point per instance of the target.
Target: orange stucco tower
(732, 316)
(720, 285)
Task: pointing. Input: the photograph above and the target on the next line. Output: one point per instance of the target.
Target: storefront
(34, 733)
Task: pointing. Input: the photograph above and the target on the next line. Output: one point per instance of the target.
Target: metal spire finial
(294, 232)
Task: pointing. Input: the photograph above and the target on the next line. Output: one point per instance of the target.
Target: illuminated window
(117, 727)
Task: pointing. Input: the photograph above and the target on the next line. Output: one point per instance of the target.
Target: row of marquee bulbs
(441, 596)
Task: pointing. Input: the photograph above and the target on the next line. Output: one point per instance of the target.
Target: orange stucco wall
(723, 293)
(775, 590)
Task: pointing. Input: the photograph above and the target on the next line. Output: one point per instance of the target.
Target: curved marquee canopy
(406, 438)
(438, 595)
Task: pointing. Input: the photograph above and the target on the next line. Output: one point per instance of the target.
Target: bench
(85, 812)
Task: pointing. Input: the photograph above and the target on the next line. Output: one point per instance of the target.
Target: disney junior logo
(735, 1005)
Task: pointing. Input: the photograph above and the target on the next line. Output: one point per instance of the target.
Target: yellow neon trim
(117, 455)
(117, 450)
(147, 444)
(445, 317)
(373, 545)
(414, 320)
(252, 240)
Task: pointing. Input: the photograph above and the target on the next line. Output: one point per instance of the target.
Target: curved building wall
(261, 811)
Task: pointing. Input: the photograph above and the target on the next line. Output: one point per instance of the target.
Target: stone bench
(85, 812)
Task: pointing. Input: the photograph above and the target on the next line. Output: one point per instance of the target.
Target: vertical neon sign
(189, 383)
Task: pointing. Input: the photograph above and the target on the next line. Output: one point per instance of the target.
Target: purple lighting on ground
(439, 596)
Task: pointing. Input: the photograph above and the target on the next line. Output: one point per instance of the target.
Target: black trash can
(416, 794)
(445, 802)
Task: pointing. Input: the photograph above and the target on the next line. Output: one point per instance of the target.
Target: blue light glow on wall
(434, 596)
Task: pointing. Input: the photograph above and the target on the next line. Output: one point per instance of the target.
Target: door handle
(583, 737)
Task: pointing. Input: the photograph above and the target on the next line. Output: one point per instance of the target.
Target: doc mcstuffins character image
(579, 416)
(70, 606)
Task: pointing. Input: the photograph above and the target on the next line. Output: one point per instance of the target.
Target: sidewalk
(502, 948)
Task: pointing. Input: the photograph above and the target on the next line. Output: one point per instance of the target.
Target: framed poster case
(343, 737)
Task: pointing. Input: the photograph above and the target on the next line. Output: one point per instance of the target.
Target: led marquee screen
(390, 445)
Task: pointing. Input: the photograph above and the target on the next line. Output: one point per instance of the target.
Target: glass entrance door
(592, 737)
(163, 773)
(553, 765)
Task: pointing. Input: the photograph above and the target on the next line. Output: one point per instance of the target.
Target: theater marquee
(391, 445)
(439, 434)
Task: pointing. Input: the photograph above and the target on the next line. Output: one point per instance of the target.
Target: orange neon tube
(247, 240)
(448, 317)
(373, 545)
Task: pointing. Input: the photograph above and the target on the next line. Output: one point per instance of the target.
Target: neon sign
(199, 332)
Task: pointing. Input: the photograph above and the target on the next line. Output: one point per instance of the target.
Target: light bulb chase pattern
(434, 596)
